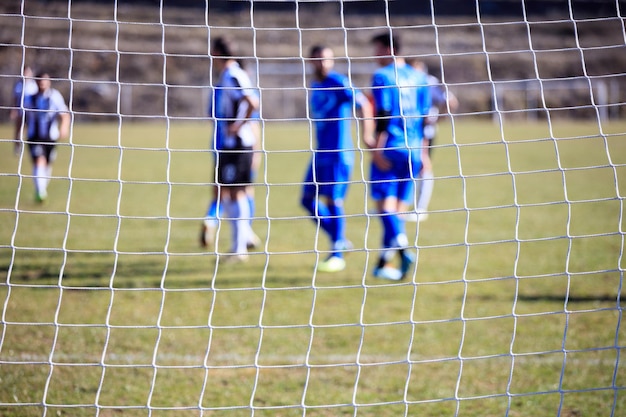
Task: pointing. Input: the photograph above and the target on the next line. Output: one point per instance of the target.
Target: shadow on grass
(557, 298)
(154, 271)
(572, 298)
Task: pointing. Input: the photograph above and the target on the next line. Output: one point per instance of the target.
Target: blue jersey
(402, 93)
(332, 110)
(42, 111)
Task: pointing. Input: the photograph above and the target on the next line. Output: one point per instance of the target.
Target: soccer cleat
(408, 259)
(410, 217)
(415, 216)
(207, 234)
(332, 264)
(40, 198)
(388, 272)
(234, 258)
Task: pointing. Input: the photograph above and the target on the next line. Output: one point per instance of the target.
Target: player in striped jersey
(47, 119)
(235, 138)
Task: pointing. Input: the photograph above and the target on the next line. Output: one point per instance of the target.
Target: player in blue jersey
(47, 120)
(401, 101)
(235, 138)
(333, 103)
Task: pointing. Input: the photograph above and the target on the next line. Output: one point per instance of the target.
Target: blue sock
(319, 210)
(252, 207)
(391, 228)
(337, 226)
(214, 211)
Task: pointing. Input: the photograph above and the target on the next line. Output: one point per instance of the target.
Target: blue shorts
(329, 179)
(399, 181)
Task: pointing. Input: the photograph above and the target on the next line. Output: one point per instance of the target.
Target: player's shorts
(42, 147)
(399, 180)
(327, 178)
(234, 166)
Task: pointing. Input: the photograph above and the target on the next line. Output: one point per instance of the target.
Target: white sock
(427, 183)
(239, 214)
(40, 180)
(48, 174)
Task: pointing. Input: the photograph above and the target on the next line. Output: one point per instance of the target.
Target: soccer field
(109, 305)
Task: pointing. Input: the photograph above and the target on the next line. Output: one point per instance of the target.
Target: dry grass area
(155, 62)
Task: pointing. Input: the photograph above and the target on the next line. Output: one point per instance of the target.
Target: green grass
(109, 307)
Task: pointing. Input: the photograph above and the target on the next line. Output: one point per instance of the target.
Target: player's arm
(18, 118)
(382, 120)
(64, 125)
(253, 105)
(380, 142)
(452, 102)
(256, 157)
(58, 104)
(368, 125)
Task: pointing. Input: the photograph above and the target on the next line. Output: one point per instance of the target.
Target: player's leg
(337, 216)
(234, 176)
(212, 215)
(239, 213)
(335, 193)
(50, 154)
(310, 201)
(253, 174)
(425, 187)
(251, 203)
(383, 191)
(405, 193)
(332, 186)
(40, 170)
(39, 176)
(335, 262)
(214, 209)
(253, 239)
(426, 181)
(391, 228)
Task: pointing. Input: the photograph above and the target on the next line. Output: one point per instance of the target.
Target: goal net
(110, 305)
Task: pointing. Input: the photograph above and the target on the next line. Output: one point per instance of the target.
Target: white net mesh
(109, 305)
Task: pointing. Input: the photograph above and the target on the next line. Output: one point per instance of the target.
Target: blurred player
(401, 99)
(442, 102)
(235, 138)
(214, 211)
(47, 119)
(23, 90)
(333, 101)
